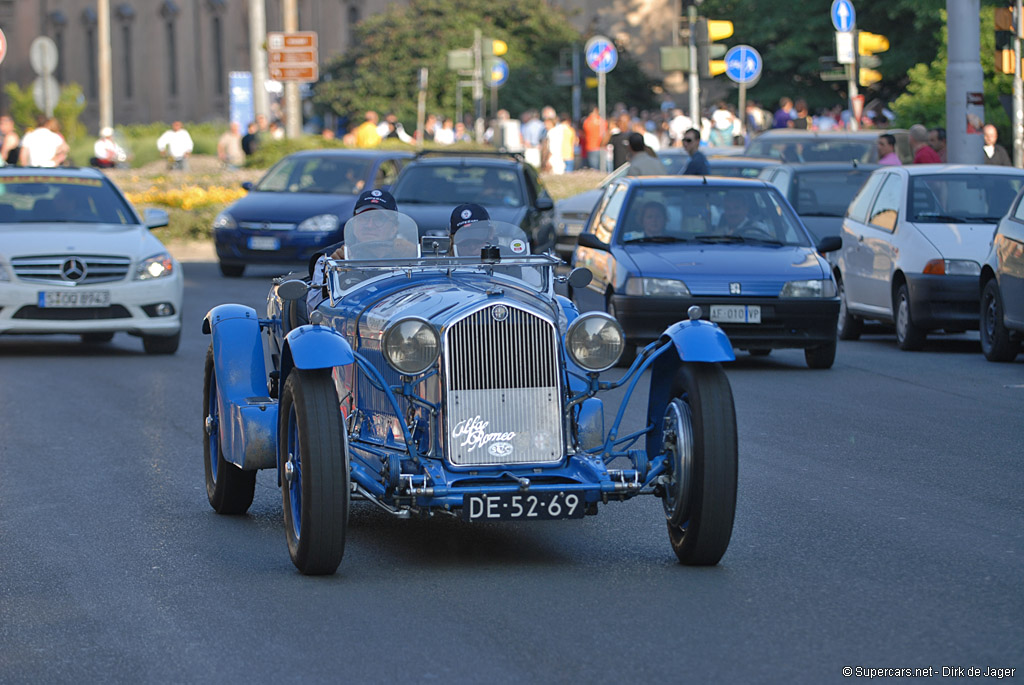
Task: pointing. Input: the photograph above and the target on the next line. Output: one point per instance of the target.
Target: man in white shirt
(44, 146)
(176, 145)
(106, 152)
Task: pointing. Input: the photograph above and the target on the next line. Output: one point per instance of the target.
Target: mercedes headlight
(320, 222)
(411, 346)
(224, 221)
(656, 287)
(816, 287)
(595, 341)
(156, 266)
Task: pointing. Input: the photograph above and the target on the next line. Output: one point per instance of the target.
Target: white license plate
(507, 506)
(56, 299)
(736, 313)
(259, 242)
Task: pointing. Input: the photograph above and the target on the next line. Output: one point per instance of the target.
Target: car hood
(959, 241)
(436, 219)
(24, 240)
(710, 269)
(583, 203)
(290, 207)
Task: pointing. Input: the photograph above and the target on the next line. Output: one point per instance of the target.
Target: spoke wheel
(229, 489)
(908, 335)
(996, 344)
(315, 470)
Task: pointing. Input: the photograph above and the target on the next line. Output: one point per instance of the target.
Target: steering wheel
(375, 249)
(755, 232)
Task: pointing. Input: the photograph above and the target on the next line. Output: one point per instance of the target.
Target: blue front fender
(315, 347)
(700, 341)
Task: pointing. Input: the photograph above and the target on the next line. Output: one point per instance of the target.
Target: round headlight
(595, 341)
(411, 346)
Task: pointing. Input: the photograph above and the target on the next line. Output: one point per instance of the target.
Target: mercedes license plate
(259, 242)
(517, 506)
(736, 313)
(58, 299)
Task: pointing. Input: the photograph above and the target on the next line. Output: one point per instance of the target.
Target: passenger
(464, 215)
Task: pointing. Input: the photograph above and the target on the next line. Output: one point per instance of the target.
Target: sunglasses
(689, 140)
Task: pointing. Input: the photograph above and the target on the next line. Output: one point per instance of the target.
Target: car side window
(386, 173)
(885, 212)
(608, 218)
(858, 210)
(1018, 212)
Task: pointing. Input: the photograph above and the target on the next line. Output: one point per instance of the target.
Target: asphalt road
(879, 525)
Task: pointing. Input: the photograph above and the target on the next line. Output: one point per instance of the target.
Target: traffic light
(495, 47)
(707, 32)
(867, 45)
(1004, 24)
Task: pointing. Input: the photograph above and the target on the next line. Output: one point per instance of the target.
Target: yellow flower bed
(187, 197)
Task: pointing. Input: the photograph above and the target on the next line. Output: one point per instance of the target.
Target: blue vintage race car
(431, 381)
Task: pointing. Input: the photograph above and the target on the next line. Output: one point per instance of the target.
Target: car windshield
(381, 234)
(734, 169)
(454, 184)
(819, 192)
(48, 198)
(957, 198)
(310, 174)
(702, 214)
(812, 149)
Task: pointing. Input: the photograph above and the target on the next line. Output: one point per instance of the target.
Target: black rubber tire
(629, 353)
(821, 357)
(232, 270)
(704, 535)
(161, 344)
(996, 343)
(908, 336)
(848, 326)
(229, 488)
(96, 338)
(760, 351)
(311, 424)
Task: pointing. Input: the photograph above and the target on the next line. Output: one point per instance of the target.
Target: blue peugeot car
(299, 206)
(658, 245)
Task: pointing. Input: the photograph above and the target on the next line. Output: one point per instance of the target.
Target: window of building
(170, 12)
(353, 19)
(125, 14)
(92, 74)
(218, 55)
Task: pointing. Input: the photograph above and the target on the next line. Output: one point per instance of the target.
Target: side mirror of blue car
(830, 243)
(590, 240)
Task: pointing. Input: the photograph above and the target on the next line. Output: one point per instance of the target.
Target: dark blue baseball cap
(463, 215)
(374, 199)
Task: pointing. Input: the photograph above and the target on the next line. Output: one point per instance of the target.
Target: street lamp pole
(105, 78)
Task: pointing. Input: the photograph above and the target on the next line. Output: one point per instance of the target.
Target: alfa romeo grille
(54, 268)
(503, 403)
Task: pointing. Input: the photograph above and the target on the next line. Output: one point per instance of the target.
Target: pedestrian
(229, 147)
(44, 146)
(802, 116)
(618, 140)
(176, 145)
(994, 152)
(107, 154)
(722, 120)
(552, 154)
(937, 139)
(531, 130)
(784, 114)
(569, 141)
(887, 150)
(678, 126)
(251, 139)
(446, 134)
(10, 141)
(698, 164)
(366, 133)
(595, 128)
(923, 152)
(642, 159)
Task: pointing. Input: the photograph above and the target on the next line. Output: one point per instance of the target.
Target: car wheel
(849, 327)
(630, 349)
(759, 351)
(232, 270)
(908, 336)
(699, 432)
(996, 344)
(822, 356)
(93, 338)
(315, 487)
(229, 488)
(161, 344)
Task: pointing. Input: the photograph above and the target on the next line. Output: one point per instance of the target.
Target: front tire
(821, 357)
(700, 438)
(908, 335)
(849, 326)
(232, 270)
(996, 344)
(161, 344)
(229, 488)
(629, 352)
(315, 487)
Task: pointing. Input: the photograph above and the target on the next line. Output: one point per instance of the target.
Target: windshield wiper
(938, 218)
(658, 239)
(984, 219)
(721, 239)
(765, 241)
(819, 214)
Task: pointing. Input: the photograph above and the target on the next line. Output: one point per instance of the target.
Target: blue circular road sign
(743, 64)
(844, 17)
(601, 55)
(499, 72)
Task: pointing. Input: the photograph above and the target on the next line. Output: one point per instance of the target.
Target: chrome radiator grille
(503, 404)
(84, 269)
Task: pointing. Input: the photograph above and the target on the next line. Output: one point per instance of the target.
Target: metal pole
(577, 106)
(258, 57)
(106, 79)
(1018, 89)
(478, 86)
(293, 117)
(458, 102)
(421, 108)
(854, 76)
(743, 110)
(965, 107)
(694, 69)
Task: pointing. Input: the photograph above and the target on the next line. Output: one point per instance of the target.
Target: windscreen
(962, 198)
(47, 198)
(381, 234)
(793, 149)
(309, 174)
(442, 184)
(826, 193)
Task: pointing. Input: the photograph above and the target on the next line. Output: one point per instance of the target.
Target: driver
(464, 215)
(653, 219)
(736, 215)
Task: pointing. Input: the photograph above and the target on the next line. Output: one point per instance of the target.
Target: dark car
(820, 192)
(299, 206)
(658, 245)
(1002, 288)
(798, 146)
(436, 182)
(675, 160)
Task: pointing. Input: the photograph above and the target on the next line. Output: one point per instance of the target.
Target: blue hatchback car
(659, 244)
(299, 206)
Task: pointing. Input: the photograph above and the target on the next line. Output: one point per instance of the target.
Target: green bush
(66, 110)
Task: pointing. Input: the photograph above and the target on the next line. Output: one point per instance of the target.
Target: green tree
(382, 71)
(67, 110)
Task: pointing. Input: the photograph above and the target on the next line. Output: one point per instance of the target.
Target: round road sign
(844, 17)
(42, 55)
(743, 64)
(499, 72)
(601, 54)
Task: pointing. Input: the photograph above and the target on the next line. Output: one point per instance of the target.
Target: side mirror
(247, 185)
(292, 290)
(580, 277)
(830, 243)
(545, 203)
(590, 240)
(155, 218)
